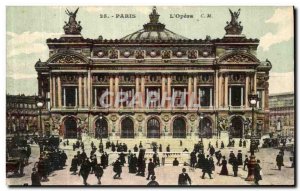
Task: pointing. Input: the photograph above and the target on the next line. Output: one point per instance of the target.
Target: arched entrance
(70, 128)
(101, 128)
(127, 128)
(236, 128)
(205, 128)
(179, 128)
(153, 128)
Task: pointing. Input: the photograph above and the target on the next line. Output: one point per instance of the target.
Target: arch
(205, 127)
(70, 128)
(179, 127)
(153, 128)
(127, 128)
(101, 128)
(67, 57)
(238, 57)
(236, 127)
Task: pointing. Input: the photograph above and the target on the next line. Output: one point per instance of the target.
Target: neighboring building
(282, 108)
(21, 114)
(214, 76)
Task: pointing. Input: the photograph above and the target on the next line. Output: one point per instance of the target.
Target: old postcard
(150, 96)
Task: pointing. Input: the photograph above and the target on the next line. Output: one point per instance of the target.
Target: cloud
(19, 76)
(281, 82)
(283, 19)
(27, 42)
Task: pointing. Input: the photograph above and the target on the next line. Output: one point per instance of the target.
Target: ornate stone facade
(216, 74)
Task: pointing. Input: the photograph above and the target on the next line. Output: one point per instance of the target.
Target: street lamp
(253, 98)
(100, 127)
(39, 105)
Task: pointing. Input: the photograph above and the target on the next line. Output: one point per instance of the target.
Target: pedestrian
(206, 167)
(122, 158)
(240, 143)
(135, 148)
(151, 167)
(231, 155)
(74, 146)
(35, 178)
(257, 172)
(153, 182)
(168, 148)
(74, 164)
(67, 141)
(212, 150)
(240, 158)
(222, 145)
(224, 170)
(64, 158)
(246, 162)
(103, 161)
(244, 143)
(211, 164)
(184, 179)
(92, 144)
(98, 172)
(94, 162)
(218, 157)
(180, 143)
(113, 147)
(85, 170)
(233, 142)
(193, 159)
(175, 162)
(235, 166)
(117, 168)
(22, 165)
(160, 148)
(201, 160)
(279, 161)
(140, 146)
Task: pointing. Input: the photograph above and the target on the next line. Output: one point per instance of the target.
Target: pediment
(238, 58)
(68, 58)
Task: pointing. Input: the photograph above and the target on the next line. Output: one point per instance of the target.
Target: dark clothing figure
(133, 164)
(154, 149)
(231, 156)
(279, 161)
(175, 162)
(64, 158)
(103, 161)
(257, 175)
(85, 170)
(151, 167)
(193, 159)
(153, 183)
(240, 158)
(211, 164)
(240, 143)
(113, 147)
(135, 148)
(224, 170)
(218, 157)
(234, 166)
(184, 179)
(74, 146)
(168, 148)
(222, 145)
(117, 169)
(201, 158)
(244, 143)
(160, 148)
(206, 168)
(74, 165)
(140, 145)
(122, 158)
(98, 172)
(35, 179)
(212, 151)
(101, 147)
(246, 162)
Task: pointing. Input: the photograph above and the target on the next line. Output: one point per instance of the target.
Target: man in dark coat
(218, 157)
(184, 179)
(92, 144)
(98, 172)
(201, 158)
(42, 169)
(35, 178)
(154, 148)
(103, 160)
(125, 148)
(64, 158)
(106, 157)
(222, 145)
(122, 158)
(257, 174)
(140, 146)
(240, 158)
(107, 144)
(153, 182)
(235, 166)
(94, 162)
(279, 160)
(231, 155)
(85, 170)
(135, 148)
(193, 159)
(74, 146)
(160, 148)
(240, 143)
(113, 147)
(175, 162)
(168, 148)
(206, 167)
(151, 167)
(74, 165)
(244, 143)
(211, 150)
(117, 168)
(246, 162)
(101, 147)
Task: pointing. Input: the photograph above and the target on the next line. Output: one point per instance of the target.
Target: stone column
(95, 97)
(59, 91)
(54, 92)
(163, 89)
(143, 90)
(220, 88)
(85, 91)
(80, 90)
(169, 90)
(246, 90)
(226, 90)
(254, 81)
(262, 99)
(229, 96)
(195, 89)
(117, 96)
(216, 90)
(189, 101)
(111, 91)
(51, 92)
(89, 88)
(137, 90)
(76, 97)
(65, 97)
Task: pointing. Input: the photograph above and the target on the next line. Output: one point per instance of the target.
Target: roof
(154, 30)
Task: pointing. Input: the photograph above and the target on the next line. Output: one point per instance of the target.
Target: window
(236, 97)
(70, 96)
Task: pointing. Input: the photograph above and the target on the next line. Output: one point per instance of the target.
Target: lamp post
(100, 127)
(40, 104)
(253, 98)
(201, 128)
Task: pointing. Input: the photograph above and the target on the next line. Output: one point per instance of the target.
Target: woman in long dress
(224, 170)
